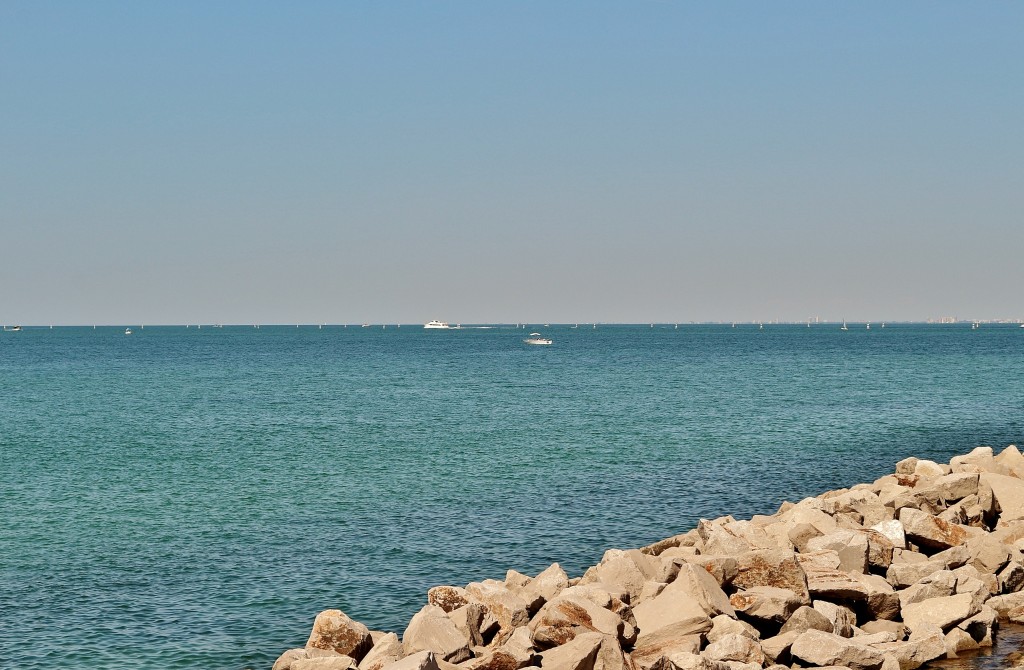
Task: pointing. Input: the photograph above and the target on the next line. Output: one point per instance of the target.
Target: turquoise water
(186, 498)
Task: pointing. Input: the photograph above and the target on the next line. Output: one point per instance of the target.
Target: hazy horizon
(571, 162)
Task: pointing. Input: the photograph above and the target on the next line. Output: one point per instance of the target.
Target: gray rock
(430, 629)
(334, 630)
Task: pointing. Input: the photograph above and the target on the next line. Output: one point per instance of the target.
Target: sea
(192, 497)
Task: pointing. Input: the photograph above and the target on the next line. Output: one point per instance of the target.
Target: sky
(494, 162)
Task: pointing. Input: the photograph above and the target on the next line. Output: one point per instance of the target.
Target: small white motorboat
(537, 338)
(127, 331)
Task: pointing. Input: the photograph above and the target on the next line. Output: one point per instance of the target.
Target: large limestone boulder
(735, 647)
(987, 553)
(469, 620)
(685, 661)
(882, 600)
(824, 649)
(628, 570)
(931, 531)
(902, 575)
(893, 531)
(954, 487)
(723, 625)
(568, 616)
(936, 585)
(335, 631)
(285, 660)
(386, 650)
(516, 652)
(806, 618)
(718, 540)
(1010, 462)
(509, 609)
(430, 629)
(773, 568)
(942, 612)
(766, 603)
(652, 651)
(578, 654)
(1008, 493)
(851, 547)
(981, 626)
(723, 568)
(697, 583)
(776, 649)
(549, 583)
(675, 607)
(925, 646)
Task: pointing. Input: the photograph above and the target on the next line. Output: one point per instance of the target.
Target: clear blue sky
(510, 161)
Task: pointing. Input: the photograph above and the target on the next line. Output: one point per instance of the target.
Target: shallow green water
(186, 498)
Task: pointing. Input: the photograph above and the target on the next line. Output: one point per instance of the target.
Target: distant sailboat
(844, 325)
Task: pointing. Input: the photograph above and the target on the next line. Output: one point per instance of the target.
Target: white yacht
(537, 338)
(127, 331)
(439, 325)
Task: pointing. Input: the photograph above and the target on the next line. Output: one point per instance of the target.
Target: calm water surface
(184, 498)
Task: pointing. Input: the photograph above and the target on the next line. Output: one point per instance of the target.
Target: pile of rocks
(919, 565)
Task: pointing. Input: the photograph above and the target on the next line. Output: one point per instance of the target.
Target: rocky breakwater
(919, 565)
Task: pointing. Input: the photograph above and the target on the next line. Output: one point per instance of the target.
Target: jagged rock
(651, 590)
(872, 639)
(423, 660)
(835, 584)
(851, 548)
(931, 531)
(516, 652)
(893, 531)
(718, 540)
(285, 660)
(825, 649)
(1008, 493)
(988, 554)
(386, 650)
(773, 568)
(1011, 579)
(568, 616)
(685, 661)
(626, 569)
(802, 533)
(936, 585)
(735, 647)
(908, 555)
(882, 600)
(902, 575)
(448, 598)
(974, 587)
(651, 651)
(723, 568)
(338, 662)
(469, 620)
(906, 466)
(942, 612)
(954, 487)
(881, 625)
(843, 618)
(430, 629)
(926, 468)
(549, 583)
(766, 603)
(698, 584)
(954, 557)
(981, 626)
(959, 640)
(867, 507)
(978, 460)
(687, 539)
(510, 610)
(927, 646)
(577, 654)
(1010, 462)
(672, 607)
(776, 649)
(806, 618)
(723, 625)
(334, 630)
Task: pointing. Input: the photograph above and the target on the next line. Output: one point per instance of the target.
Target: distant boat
(127, 331)
(537, 338)
(844, 325)
(15, 329)
(868, 326)
(437, 325)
